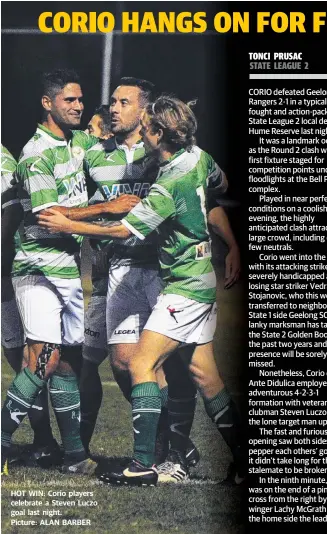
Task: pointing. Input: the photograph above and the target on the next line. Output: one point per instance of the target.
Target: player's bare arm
(220, 225)
(57, 222)
(119, 206)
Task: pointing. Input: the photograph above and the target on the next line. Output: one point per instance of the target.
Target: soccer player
(45, 450)
(186, 310)
(46, 272)
(95, 343)
(99, 124)
(119, 166)
(12, 333)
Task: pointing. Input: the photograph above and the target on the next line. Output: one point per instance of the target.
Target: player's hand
(122, 204)
(232, 267)
(49, 211)
(55, 222)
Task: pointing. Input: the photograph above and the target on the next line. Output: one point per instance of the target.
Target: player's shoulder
(99, 154)
(102, 146)
(83, 137)
(5, 153)
(8, 162)
(203, 156)
(184, 162)
(38, 147)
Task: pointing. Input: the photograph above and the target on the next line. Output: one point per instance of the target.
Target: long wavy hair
(176, 119)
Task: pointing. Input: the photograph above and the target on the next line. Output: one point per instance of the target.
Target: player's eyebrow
(72, 98)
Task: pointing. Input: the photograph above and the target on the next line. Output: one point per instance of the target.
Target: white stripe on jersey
(113, 173)
(133, 230)
(32, 184)
(161, 190)
(44, 207)
(62, 170)
(147, 215)
(6, 182)
(10, 203)
(44, 259)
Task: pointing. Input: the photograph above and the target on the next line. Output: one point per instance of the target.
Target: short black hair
(104, 113)
(53, 82)
(147, 88)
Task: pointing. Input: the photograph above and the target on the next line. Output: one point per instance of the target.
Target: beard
(125, 128)
(66, 121)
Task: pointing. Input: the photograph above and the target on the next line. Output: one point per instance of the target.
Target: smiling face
(66, 107)
(126, 108)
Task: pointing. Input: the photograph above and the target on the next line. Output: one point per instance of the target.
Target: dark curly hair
(175, 119)
(53, 82)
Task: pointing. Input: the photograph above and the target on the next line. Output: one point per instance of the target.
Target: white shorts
(183, 319)
(132, 293)
(52, 309)
(12, 332)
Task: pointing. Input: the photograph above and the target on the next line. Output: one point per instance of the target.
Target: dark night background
(191, 66)
(212, 68)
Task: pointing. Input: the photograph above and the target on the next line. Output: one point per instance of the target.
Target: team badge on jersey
(78, 152)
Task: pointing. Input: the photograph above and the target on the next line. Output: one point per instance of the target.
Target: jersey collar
(171, 161)
(138, 144)
(45, 132)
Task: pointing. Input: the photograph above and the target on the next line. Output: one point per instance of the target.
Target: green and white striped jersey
(117, 170)
(50, 173)
(177, 208)
(9, 193)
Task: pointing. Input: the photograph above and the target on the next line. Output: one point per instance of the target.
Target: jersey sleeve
(36, 176)
(157, 207)
(217, 181)
(9, 194)
(217, 184)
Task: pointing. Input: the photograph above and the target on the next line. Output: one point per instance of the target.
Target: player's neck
(165, 154)
(54, 128)
(129, 139)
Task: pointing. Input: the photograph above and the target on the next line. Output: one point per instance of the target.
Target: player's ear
(46, 102)
(160, 135)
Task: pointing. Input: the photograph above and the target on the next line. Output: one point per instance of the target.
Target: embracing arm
(119, 206)
(141, 221)
(57, 222)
